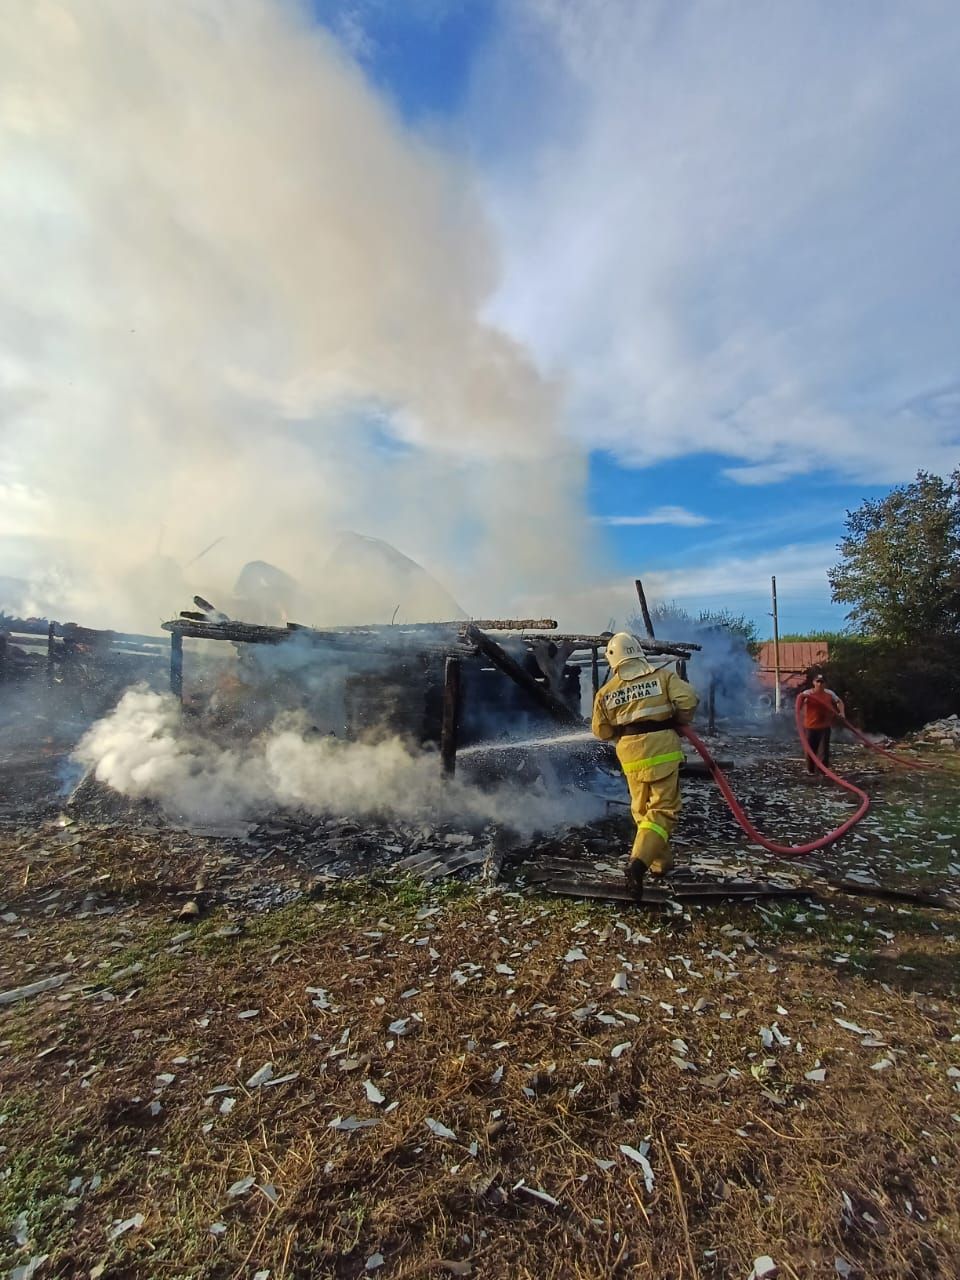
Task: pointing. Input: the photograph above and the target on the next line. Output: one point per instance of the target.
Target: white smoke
(145, 751)
(240, 300)
(722, 661)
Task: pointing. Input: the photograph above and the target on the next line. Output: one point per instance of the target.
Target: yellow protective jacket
(658, 695)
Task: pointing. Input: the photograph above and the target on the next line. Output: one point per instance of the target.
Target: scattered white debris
(497, 1076)
(640, 1158)
(121, 1226)
(35, 989)
(763, 1267)
(619, 982)
(618, 1049)
(881, 1064)
(852, 1026)
(373, 1262)
(439, 1129)
(373, 1093)
(240, 1188)
(29, 1269)
(504, 968)
(399, 1027)
(350, 1123)
(573, 955)
(291, 1075)
(217, 1228)
(539, 1194)
(227, 1105)
(248, 1013)
(818, 1075)
(261, 1077)
(681, 1063)
(842, 1267)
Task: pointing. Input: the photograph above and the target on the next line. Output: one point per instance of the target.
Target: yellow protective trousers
(655, 806)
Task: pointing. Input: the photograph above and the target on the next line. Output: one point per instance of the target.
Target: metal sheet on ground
(667, 891)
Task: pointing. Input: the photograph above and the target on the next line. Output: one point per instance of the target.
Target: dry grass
(748, 1156)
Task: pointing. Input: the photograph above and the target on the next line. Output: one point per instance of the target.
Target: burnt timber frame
(452, 641)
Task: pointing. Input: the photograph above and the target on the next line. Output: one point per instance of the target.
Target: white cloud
(740, 583)
(731, 226)
(661, 515)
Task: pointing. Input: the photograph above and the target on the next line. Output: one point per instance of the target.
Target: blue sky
(549, 293)
(728, 229)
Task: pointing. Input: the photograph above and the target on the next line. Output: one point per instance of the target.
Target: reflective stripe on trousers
(655, 806)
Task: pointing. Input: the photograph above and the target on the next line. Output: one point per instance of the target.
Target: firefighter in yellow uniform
(639, 708)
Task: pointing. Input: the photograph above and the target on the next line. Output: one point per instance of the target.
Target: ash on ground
(908, 843)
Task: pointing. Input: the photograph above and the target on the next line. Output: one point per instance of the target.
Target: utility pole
(776, 649)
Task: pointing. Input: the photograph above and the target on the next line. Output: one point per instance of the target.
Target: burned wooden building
(444, 684)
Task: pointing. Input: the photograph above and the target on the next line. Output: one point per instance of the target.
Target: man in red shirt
(820, 707)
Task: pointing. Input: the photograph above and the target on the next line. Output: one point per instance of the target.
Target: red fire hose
(799, 850)
(784, 850)
(875, 746)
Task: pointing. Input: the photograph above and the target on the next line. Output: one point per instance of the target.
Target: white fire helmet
(625, 648)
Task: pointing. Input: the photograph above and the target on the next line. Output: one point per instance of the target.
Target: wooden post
(647, 621)
(176, 664)
(450, 725)
(776, 649)
(712, 706)
(51, 645)
(595, 669)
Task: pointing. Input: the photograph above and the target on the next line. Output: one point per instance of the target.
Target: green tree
(900, 561)
(673, 622)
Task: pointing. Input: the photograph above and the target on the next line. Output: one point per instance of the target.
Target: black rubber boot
(635, 873)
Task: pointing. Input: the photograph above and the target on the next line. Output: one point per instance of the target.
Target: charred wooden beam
(647, 620)
(510, 667)
(176, 665)
(458, 624)
(385, 641)
(584, 640)
(450, 725)
(51, 651)
(594, 669)
(516, 624)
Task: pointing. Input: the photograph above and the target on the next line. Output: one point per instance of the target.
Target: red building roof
(796, 658)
